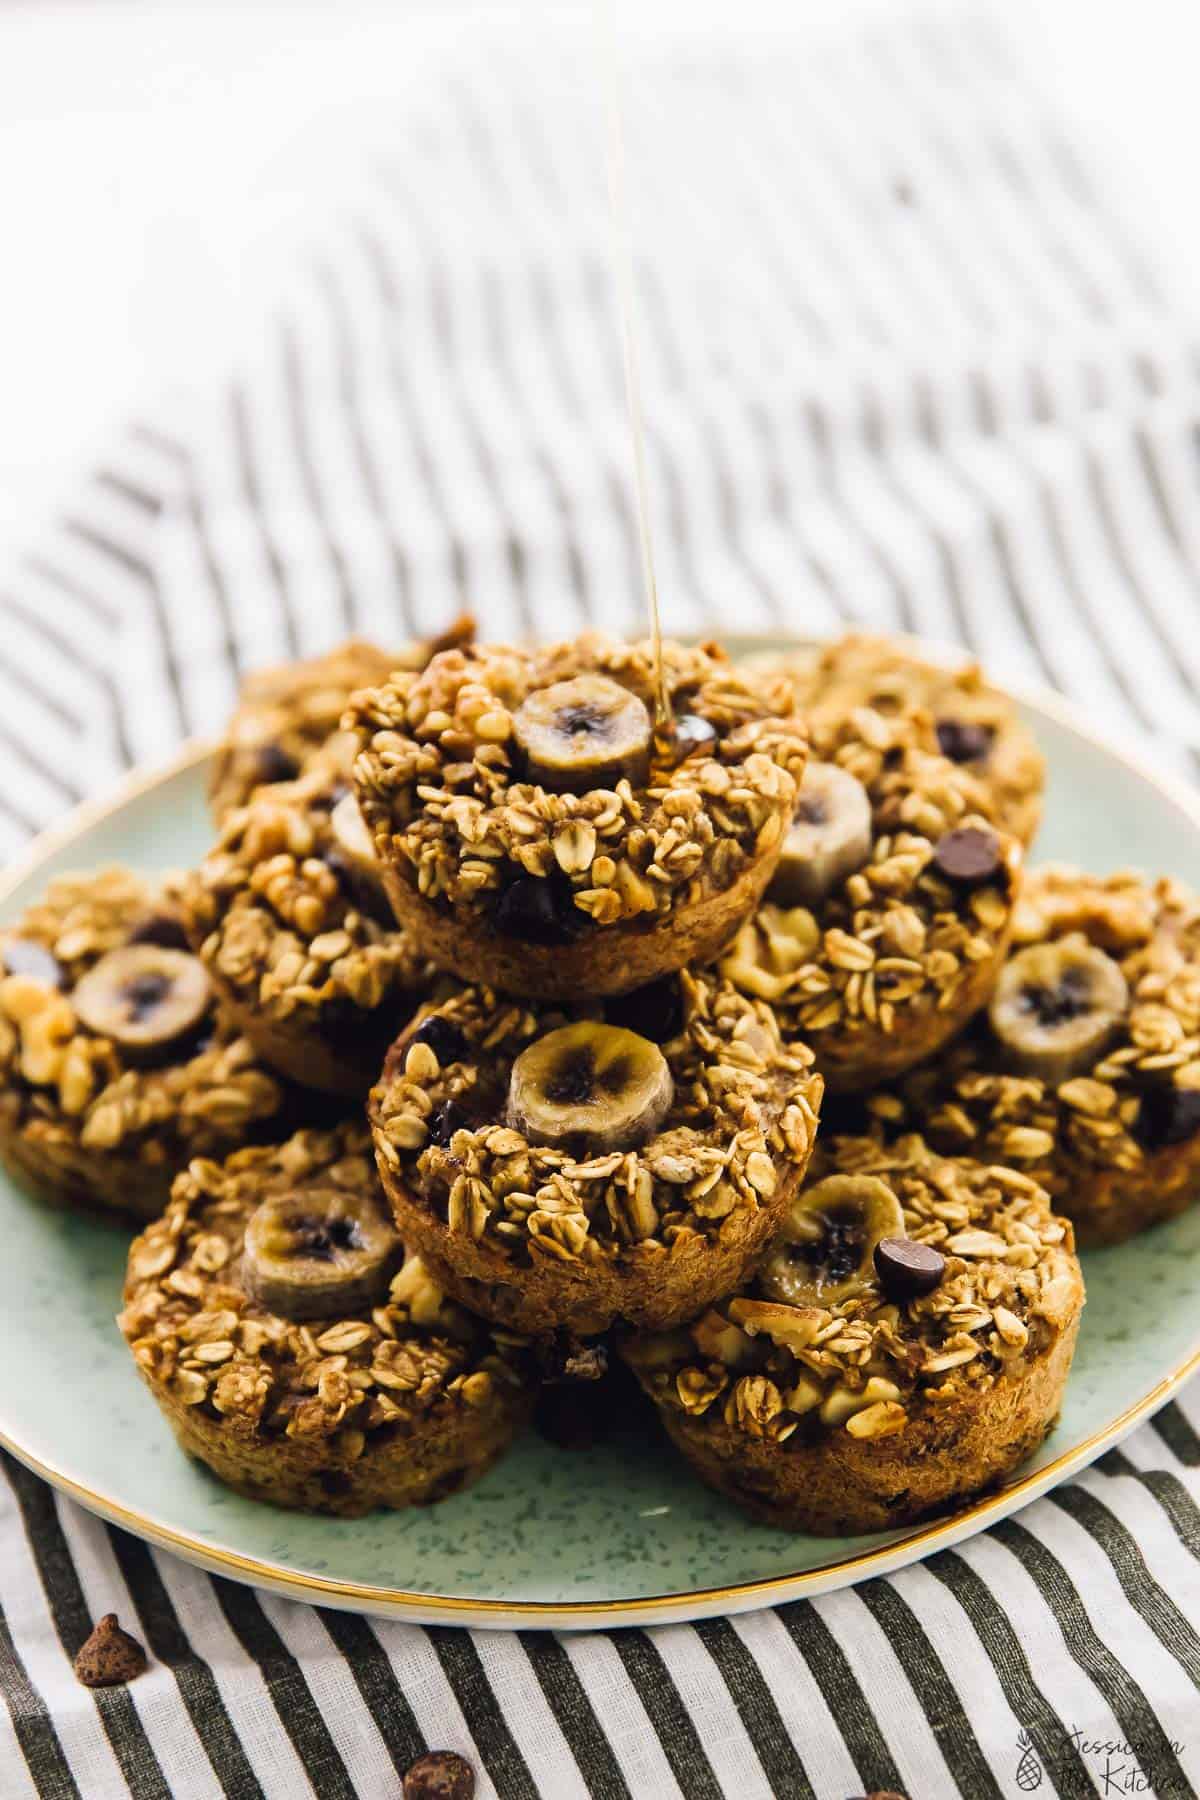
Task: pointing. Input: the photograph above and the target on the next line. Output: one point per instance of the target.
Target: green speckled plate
(610, 1536)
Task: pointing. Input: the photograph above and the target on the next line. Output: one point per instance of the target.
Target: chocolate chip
(654, 1011)
(540, 910)
(162, 929)
(440, 1775)
(906, 1268)
(1167, 1115)
(963, 741)
(444, 1039)
(968, 856)
(24, 956)
(110, 1656)
(449, 1118)
(274, 764)
(690, 733)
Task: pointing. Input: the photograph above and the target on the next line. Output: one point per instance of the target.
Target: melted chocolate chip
(162, 929)
(274, 764)
(449, 1118)
(444, 1039)
(963, 741)
(907, 1269)
(540, 910)
(691, 733)
(654, 1011)
(440, 1775)
(23, 956)
(968, 856)
(1167, 1115)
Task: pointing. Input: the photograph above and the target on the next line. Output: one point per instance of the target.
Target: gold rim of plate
(410, 1604)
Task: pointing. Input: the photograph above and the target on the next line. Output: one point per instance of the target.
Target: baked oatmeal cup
(568, 1169)
(887, 919)
(977, 725)
(298, 1351)
(1085, 1070)
(288, 915)
(286, 713)
(117, 1066)
(521, 802)
(902, 1348)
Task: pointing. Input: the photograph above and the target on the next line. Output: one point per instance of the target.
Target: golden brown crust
(613, 961)
(395, 1405)
(303, 954)
(897, 958)
(536, 1237)
(868, 1409)
(854, 671)
(80, 1123)
(496, 869)
(288, 712)
(1118, 1147)
(841, 1485)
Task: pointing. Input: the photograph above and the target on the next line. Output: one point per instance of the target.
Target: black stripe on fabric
(100, 609)
(168, 1644)
(52, 776)
(196, 509)
(1128, 1703)
(1177, 1434)
(1170, 1493)
(935, 1692)
(1147, 454)
(32, 1725)
(821, 436)
(1147, 1597)
(143, 572)
(757, 1710)
(1055, 1749)
(24, 679)
(376, 1681)
(160, 440)
(671, 1720)
(842, 1694)
(779, 503)
(73, 1623)
(129, 490)
(576, 1716)
(290, 1693)
(388, 291)
(349, 384)
(1115, 538)
(239, 418)
(25, 823)
(71, 652)
(298, 416)
(495, 1743)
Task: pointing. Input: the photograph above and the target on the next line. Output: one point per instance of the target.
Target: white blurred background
(158, 157)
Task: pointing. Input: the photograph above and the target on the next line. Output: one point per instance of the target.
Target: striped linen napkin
(904, 368)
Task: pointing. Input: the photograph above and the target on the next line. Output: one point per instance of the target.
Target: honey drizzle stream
(664, 731)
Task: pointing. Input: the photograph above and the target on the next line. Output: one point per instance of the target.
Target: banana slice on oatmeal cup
(1085, 1069)
(903, 1346)
(117, 1064)
(566, 1169)
(299, 1351)
(886, 923)
(978, 726)
(536, 834)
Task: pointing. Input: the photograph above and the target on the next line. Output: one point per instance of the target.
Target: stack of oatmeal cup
(509, 1038)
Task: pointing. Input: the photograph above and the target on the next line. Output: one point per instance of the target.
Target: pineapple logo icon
(1029, 1769)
